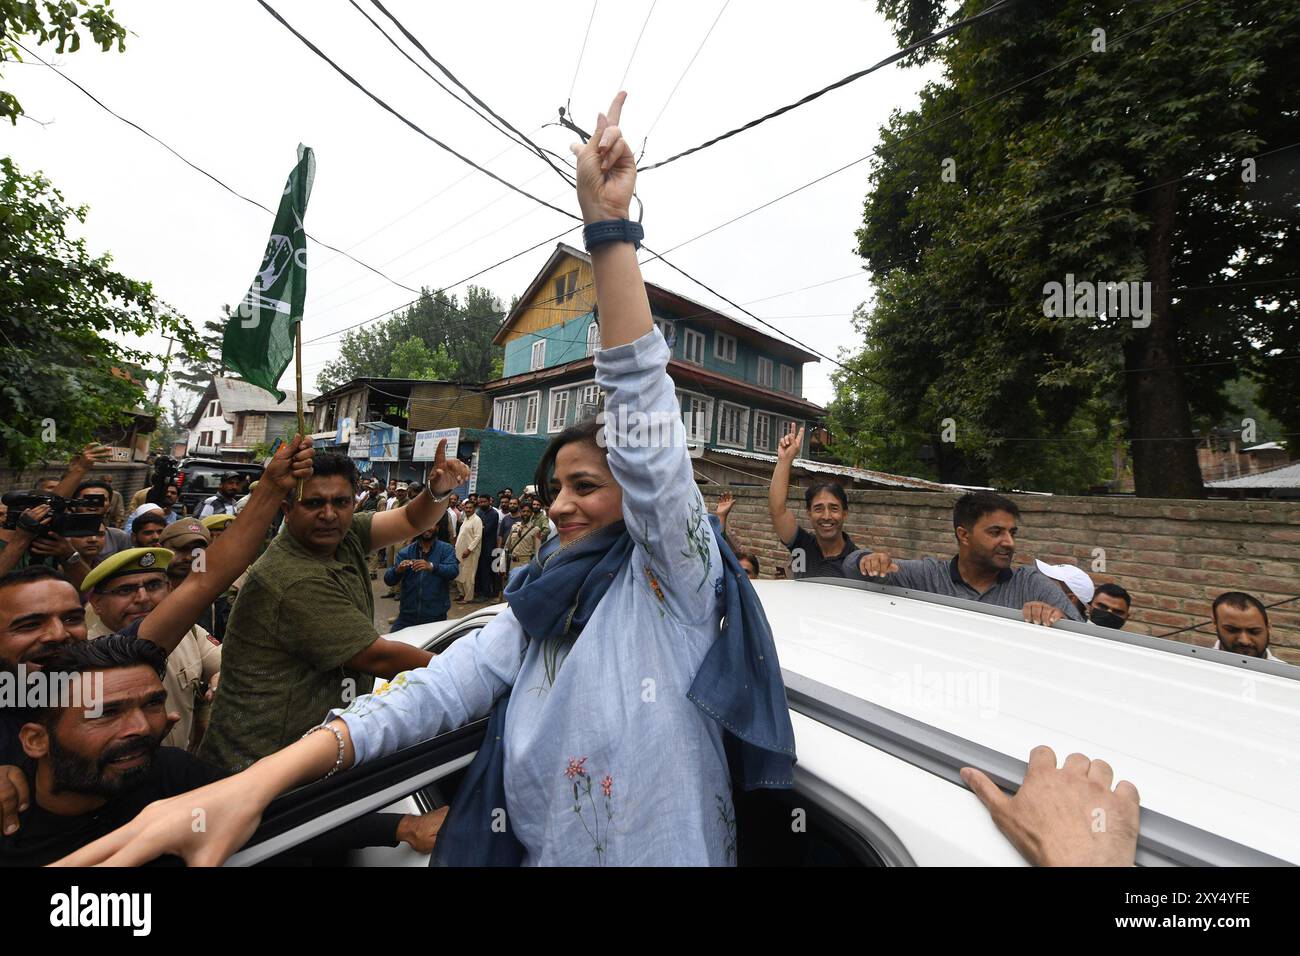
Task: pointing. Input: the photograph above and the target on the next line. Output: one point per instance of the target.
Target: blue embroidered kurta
(607, 761)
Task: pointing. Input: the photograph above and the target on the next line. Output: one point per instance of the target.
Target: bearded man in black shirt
(98, 759)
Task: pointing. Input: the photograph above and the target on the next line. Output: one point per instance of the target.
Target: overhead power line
(450, 285)
(636, 46)
(199, 169)
(442, 86)
(997, 7)
(574, 85)
(411, 37)
(690, 64)
(409, 122)
(939, 122)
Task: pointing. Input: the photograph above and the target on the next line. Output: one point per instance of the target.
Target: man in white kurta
(469, 543)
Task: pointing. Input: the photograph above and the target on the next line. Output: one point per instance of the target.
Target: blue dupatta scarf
(738, 684)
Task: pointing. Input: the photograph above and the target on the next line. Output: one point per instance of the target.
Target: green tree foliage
(45, 21)
(200, 363)
(414, 359)
(64, 376)
(449, 332)
(1128, 163)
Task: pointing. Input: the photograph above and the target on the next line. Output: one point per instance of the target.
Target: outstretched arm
(232, 809)
(422, 512)
(456, 687)
(782, 520)
(233, 552)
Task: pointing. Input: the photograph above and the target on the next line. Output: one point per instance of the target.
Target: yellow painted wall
(543, 311)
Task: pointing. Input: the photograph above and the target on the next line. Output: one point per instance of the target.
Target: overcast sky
(233, 91)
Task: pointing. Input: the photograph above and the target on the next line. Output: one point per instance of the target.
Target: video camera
(68, 516)
(165, 469)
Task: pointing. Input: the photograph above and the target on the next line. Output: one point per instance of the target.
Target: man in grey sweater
(985, 527)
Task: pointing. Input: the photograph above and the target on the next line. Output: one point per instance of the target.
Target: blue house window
(694, 347)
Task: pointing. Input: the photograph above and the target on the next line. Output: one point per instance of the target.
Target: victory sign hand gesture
(606, 168)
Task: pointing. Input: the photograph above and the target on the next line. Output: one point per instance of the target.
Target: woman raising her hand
(609, 676)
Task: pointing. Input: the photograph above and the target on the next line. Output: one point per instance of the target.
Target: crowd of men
(983, 569)
(211, 640)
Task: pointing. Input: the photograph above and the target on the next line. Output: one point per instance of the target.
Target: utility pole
(157, 398)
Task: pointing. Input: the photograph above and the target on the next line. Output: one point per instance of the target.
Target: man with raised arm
(301, 639)
(821, 553)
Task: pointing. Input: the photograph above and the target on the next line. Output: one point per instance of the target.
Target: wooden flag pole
(302, 430)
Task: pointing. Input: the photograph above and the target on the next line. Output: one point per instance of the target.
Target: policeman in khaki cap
(123, 590)
(216, 524)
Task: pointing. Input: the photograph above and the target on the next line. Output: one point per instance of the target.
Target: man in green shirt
(301, 637)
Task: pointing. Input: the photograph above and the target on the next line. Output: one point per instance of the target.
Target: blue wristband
(612, 230)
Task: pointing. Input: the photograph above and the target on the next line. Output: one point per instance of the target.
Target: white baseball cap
(1076, 579)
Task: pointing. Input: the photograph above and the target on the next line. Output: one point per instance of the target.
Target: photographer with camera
(46, 515)
(95, 496)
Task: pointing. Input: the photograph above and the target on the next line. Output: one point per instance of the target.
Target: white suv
(891, 692)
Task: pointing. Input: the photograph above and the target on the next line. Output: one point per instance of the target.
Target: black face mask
(1103, 618)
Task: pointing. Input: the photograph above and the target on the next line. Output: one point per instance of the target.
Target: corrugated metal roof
(843, 471)
(1284, 476)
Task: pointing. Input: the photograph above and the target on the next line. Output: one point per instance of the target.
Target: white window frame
(721, 339)
(763, 426)
(505, 414)
(742, 424)
(560, 391)
(590, 393)
(537, 359)
(707, 437)
(665, 327)
(784, 369)
(764, 365)
(688, 336)
(531, 402)
(593, 338)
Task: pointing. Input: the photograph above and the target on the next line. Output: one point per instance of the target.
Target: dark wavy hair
(973, 505)
(106, 653)
(332, 463)
(834, 487)
(586, 430)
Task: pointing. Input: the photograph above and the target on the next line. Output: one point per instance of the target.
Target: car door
(404, 782)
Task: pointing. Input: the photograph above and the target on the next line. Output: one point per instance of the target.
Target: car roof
(1213, 745)
(1207, 743)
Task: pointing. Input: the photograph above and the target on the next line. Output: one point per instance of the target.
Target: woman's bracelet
(338, 734)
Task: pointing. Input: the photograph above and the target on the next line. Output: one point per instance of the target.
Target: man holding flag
(301, 638)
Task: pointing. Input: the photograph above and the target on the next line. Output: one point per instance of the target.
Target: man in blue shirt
(425, 567)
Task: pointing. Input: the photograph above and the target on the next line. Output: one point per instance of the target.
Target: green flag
(259, 339)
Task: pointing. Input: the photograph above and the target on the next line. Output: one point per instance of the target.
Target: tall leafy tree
(462, 335)
(198, 364)
(1111, 142)
(64, 373)
(414, 359)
